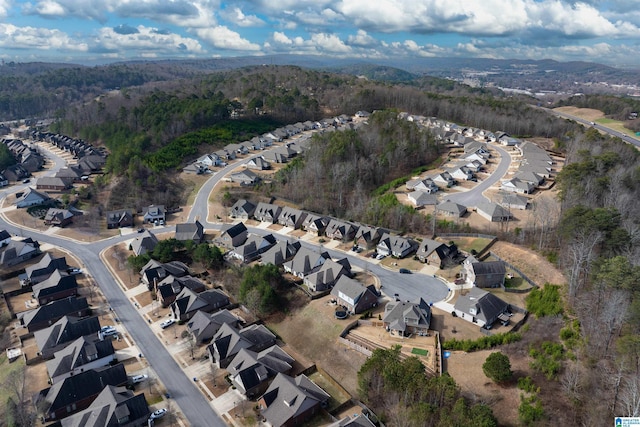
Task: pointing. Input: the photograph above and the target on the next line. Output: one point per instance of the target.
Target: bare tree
(581, 252)
(16, 385)
(630, 396)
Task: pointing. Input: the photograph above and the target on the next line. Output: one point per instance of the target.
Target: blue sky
(98, 31)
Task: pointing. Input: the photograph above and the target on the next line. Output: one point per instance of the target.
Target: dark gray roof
(67, 329)
(112, 404)
(398, 314)
(204, 325)
(58, 280)
(289, 397)
(54, 310)
(487, 306)
(78, 353)
(234, 230)
(189, 231)
(489, 267)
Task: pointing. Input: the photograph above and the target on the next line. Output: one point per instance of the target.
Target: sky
(102, 31)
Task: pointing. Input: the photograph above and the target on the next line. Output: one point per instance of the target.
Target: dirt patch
(534, 265)
(584, 113)
(116, 256)
(313, 332)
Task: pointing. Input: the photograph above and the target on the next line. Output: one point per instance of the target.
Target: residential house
(253, 247)
(238, 148)
(114, 406)
(18, 251)
(209, 160)
(354, 295)
(274, 157)
(242, 209)
(481, 307)
(258, 163)
(15, 173)
(244, 177)
(267, 212)
(445, 179)
(225, 155)
(477, 156)
(144, 243)
(92, 163)
(203, 326)
(358, 420)
(153, 214)
(48, 314)
(188, 302)
(154, 272)
(450, 208)
(367, 238)
(5, 238)
(281, 252)
(396, 246)
(289, 402)
(195, 168)
(67, 329)
(407, 318)
(58, 285)
(327, 274)
(516, 185)
(462, 173)
(31, 197)
(425, 185)
(170, 287)
(119, 218)
(437, 253)
(514, 201)
(250, 371)
(315, 224)
(305, 261)
(530, 177)
(493, 212)
(87, 352)
(52, 183)
(193, 231)
(490, 274)
(229, 341)
(291, 217)
(340, 230)
(232, 236)
(76, 393)
(419, 198)
(58, 217)
(71, 173)
(36, 273)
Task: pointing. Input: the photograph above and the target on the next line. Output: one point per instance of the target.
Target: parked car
(158, 414)
(26, 181)
(380, 256)
(138, 378)
(108, 331)
(74, 271)
(166, 323)
(405, 271)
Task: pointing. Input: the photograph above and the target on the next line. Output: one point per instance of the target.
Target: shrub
(530, 410)
(497, 367)
(483, 343)
(548, 359)
(545, 301)
(527, 384)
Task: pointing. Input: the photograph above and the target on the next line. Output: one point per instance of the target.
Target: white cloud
(5, 5)
(282, 38)
(237, 17)
(13, 37)
(361, 39)
(224, 38)
(330, 43)
(145, 41)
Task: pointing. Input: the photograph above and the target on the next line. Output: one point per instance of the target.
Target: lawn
(469, 244)
(616, 125)
(6, 369)
(419, 351)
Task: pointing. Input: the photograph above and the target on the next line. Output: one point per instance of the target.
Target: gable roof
(188, 301)
(289, 397)
(144, 243)
(189, 231)
(67, 329)
(486, 305)
(305, 260)
(452, 208)
(242, 208)
(281, 252)
(398, 314)
(493, 210)
(233, 230)
(54, 310)
(488, 267)
(16, 249)
(56, 282)
(204, 325)
(249, 368)
(78, 353)
(45, 267)
(111, 405)
(351, 290)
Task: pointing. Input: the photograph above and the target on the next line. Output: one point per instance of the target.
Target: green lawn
(6, 368)
(419, 351)
(616, 125)
(468, 244)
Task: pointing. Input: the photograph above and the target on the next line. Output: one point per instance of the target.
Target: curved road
(193, 404)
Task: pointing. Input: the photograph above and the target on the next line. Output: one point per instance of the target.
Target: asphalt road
(474, 196)
(623, 136)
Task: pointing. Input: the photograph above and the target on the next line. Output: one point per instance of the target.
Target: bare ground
(584, 113)
(530, 263)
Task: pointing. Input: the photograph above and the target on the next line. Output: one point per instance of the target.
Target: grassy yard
(468, 244)
(338, 396)
(616, 125)
(6, 369)
(419, 351)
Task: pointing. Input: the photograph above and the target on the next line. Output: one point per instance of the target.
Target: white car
(108, 331)
(380, 256)
(166, 323)
(138, 378)
(158, 414)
